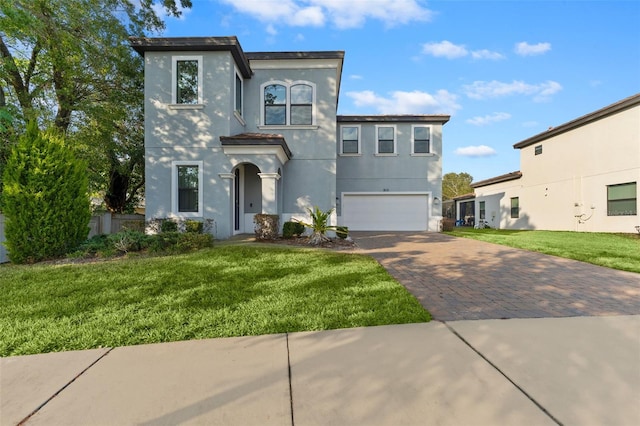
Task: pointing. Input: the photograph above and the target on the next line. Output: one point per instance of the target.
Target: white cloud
(488, 119)
(486, 54)
(271, 30)
(342, 14)
(355, 77)
(475, 151)
(525, 49)
(445, 49)
(399, 102)
(494, 89)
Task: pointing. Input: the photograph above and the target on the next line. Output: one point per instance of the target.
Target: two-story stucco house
(229, 134)
(580, 176)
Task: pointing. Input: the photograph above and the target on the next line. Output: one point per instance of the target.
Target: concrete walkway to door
(463, 279)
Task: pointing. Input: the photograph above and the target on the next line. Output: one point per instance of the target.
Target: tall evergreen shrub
(45, 197)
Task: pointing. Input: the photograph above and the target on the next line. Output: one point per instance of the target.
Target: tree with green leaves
(68, 63)
(456, 184)
(45, 198)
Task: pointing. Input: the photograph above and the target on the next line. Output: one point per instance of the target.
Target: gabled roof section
(502, 178)
(615, 108)
(192, 44)
(402, 118)
(257, 139)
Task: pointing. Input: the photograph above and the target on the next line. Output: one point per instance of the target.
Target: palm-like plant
(319, 225)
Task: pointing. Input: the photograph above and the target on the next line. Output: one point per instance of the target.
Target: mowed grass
(218, 292)
(617, 251)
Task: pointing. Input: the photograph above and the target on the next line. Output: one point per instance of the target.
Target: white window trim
(395, 141)
(422, 154)
(287, 124)
(351, 154)
(174, 82)
(174, 188)
(235, 95)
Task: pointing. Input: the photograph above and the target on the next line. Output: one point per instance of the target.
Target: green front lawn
(219, 292)
(617, 251)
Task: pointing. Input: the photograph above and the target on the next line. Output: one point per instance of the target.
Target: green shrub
(190, 241)
(45, 199)
(193, 226)
(163, 242)
(342, 232)
(289, 229)
(169, 225)
(129, 240)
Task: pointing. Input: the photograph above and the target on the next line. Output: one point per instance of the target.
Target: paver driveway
(459, 278)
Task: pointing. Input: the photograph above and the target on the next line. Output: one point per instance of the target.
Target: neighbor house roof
(402, 118)
(462, 197)
(192, 44)
(257, 139)
(581, 121)
(502, 178)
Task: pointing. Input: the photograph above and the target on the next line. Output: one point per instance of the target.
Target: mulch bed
(333, 243)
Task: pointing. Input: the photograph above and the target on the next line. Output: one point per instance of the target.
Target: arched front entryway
(247, 197)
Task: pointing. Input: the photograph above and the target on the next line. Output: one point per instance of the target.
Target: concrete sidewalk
(582, 370)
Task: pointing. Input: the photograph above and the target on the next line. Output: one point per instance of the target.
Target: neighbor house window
(238, 95)
(386, 140)
(350, 139)
(622, 199)
(421, 139)
(288, 104)
(187, 80)
(538, 149)
(515, 207)
(187, 188)
(482, 209)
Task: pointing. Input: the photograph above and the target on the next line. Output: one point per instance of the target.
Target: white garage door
(385, 212)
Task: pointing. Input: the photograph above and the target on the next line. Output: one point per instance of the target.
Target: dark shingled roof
(194, 44)
(502, 178)
(626, 103)
(259, 139)
(397, 118)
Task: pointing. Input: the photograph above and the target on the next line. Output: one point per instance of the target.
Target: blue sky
(503, 70)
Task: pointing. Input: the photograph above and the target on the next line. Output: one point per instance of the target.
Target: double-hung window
(350, 136)
(515, 207)
(622, 199)
(482, 208)
(288, 104)
(186, 80)
(186, 188)
(421, 139)
(386, 140)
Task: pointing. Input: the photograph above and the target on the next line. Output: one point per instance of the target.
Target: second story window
(275, 105)
(187, 80)
(301, 104)
(238, 95)
(421, 141)
(350, 139)
(386, 143)
(288, 104)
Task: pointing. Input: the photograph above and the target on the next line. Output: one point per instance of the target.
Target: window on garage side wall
(515, 207)
(482, 210)
(622, 199)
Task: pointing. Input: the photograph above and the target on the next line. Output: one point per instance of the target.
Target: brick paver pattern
(462, 279)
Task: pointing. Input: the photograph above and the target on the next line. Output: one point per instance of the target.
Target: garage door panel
(385, 212)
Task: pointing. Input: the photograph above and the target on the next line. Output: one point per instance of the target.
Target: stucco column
(269, 192)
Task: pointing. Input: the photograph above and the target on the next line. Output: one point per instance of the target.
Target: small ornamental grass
(617, 251)
(230, 290)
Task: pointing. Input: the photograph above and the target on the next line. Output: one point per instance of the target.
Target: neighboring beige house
(580, 176)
